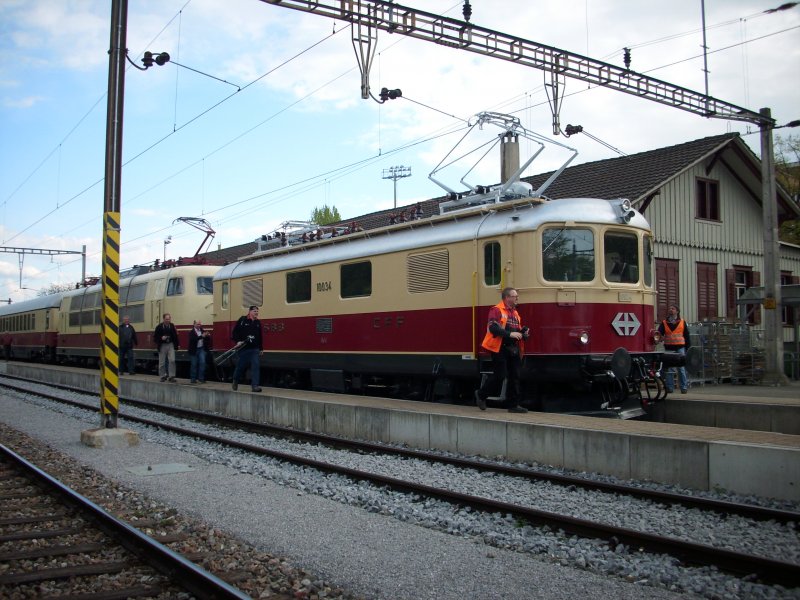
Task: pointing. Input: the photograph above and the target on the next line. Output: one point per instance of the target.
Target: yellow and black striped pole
(109, 330)
(109, 335)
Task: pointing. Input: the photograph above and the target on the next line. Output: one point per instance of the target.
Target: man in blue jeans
(247, 335)
(676, 339)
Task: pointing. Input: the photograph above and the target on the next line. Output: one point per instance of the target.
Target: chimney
(509, 155)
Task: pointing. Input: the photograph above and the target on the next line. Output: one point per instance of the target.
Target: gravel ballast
(381, 544)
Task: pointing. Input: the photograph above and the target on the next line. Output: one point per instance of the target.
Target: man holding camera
(166, 338)
(504, 339)
(247, 334)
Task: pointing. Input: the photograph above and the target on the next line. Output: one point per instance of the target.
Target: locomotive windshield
(568, 254)
(621, 257)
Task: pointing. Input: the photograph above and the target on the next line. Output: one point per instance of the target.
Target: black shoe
(480, 402)
(684, 391)
(172, 380)
(669, 391)
(235, 385)
(256, 389)
(518, 409)
(164, 378)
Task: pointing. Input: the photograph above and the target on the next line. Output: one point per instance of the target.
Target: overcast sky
(259, 118)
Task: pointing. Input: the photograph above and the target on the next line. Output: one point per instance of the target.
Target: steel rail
(766, 569)
(184, 573)
(749, 511)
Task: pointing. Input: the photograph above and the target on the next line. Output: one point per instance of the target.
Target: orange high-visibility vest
(491, 342)
(674, 337)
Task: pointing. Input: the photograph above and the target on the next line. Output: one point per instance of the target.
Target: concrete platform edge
(739, 467)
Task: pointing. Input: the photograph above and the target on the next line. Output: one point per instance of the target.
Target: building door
(707, 292)
(667, 287)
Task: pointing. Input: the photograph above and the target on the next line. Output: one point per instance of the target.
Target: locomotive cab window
(175, 287)
(621, 257)
(204, 286)
(356, 280)
(649, 255)
(491, 263)
(568, 254)
(298, 286)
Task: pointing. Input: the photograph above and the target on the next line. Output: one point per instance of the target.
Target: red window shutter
(730, 287)
(758, 307)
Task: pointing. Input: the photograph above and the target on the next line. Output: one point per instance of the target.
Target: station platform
(735, 406)
(746, 461)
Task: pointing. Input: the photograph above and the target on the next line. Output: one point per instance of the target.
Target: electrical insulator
(467, 10)
(626, 57)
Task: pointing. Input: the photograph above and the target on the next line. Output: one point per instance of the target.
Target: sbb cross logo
(626, 324)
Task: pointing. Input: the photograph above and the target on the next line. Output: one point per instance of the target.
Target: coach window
(491, 263)
(568, 254)
(356, 280)
(225, 294)
(175, 287)
(298, 286)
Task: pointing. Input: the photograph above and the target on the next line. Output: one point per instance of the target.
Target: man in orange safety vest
(504, 338)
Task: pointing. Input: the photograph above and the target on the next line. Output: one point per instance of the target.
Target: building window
(707, 200)
(738, 279)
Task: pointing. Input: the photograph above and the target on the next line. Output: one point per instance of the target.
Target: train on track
(65, 327)
(401, 310)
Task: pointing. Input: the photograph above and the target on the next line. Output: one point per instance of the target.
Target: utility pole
(773, 327)
(395, 173)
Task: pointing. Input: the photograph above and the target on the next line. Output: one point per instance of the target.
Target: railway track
(56, 542)
(767, 569)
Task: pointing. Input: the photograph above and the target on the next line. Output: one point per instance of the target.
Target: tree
(325, 215)
(787, 173)
(55, 288)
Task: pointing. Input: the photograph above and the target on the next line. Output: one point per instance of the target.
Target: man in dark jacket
(166, 338)
(247, 334)
(676, 339)
(127, 341)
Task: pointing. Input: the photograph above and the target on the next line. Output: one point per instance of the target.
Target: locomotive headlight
(655, 336)
(580, 336)
(626, 211)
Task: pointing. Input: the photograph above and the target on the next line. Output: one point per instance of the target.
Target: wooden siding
(737, 239)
